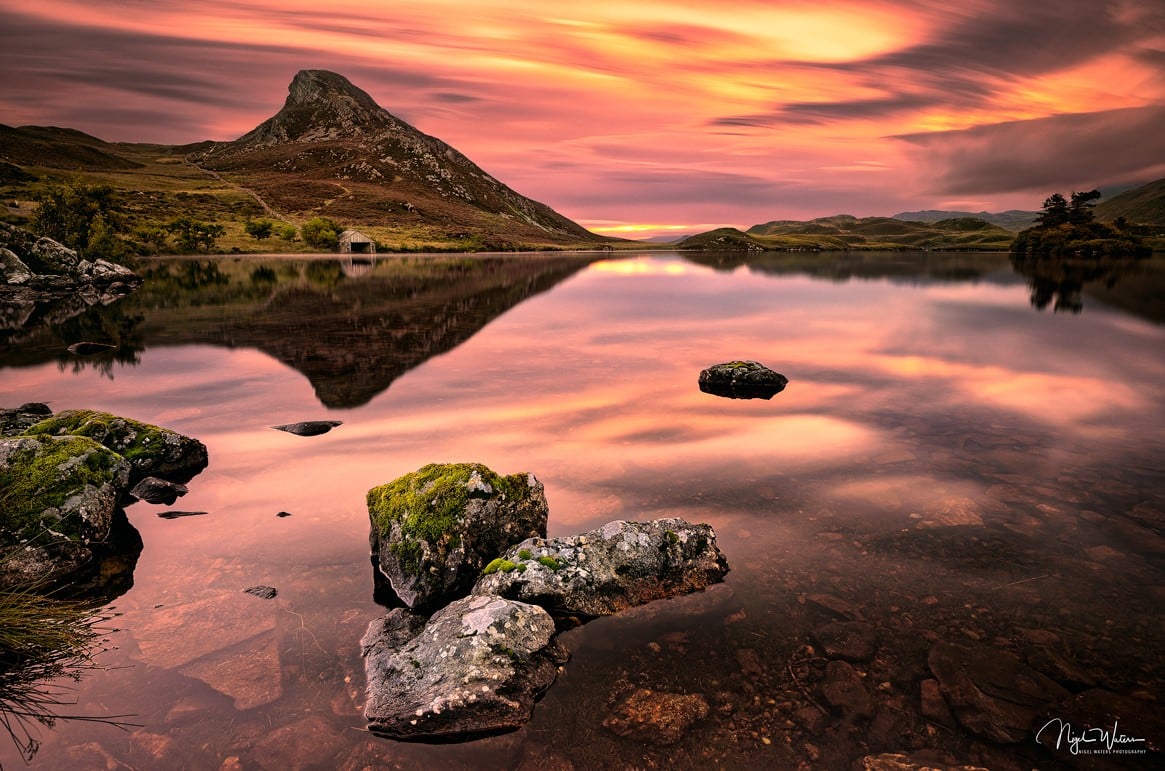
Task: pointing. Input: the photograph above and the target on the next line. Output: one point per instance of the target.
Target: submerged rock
(992, 693)
(309, 427)
(474, 669)
(150, 450)
(262, 592)
(434, 530)
(742, 380)
(618, 566)
(656, 716)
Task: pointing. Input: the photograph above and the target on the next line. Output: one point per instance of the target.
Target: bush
(259, 229)
(321, 233)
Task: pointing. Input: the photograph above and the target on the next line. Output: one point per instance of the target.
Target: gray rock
(12, 268)
(262, 592)
(434, 530)
(992, 693)
(474, 669)
(43, 282)
(61, 495)
(151, 450)
(742, 380)
(618, 566)
(309, 427)
(19, 419)
(154, 490)
(656, 716)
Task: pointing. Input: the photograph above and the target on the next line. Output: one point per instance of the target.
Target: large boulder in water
(618, 566)
(742, 380)
(150, 450)
(58, 509)
(434, 530)
(475, 668)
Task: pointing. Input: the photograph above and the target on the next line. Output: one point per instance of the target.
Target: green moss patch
(135, 441)
(503, 565)
(42, 473)
(550, 562)
(427, 504)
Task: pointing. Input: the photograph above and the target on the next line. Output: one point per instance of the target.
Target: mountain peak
(320, 106)
(316, 87)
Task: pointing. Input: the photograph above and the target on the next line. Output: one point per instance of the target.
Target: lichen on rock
(434, 530)
(475, 668)
(618, 566)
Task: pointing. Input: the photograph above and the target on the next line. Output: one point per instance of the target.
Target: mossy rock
(151, 451)
(58, 498)
(434, 530)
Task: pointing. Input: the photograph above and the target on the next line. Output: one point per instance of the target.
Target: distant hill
(1144, 205)
(845, 232)
(1012, 219)
(330, 151)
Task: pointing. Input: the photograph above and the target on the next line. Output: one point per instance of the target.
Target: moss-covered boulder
(58, 506)
(435, 530)
(150, 450)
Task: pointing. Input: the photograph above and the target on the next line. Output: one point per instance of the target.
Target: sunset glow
(649, 118)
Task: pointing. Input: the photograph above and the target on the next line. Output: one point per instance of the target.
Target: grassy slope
(844, 232)
(157, 183)
(1144, 205)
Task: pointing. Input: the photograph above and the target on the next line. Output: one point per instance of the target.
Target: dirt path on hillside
(267, 208)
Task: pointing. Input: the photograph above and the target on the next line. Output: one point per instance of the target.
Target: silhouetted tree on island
(1068, 228)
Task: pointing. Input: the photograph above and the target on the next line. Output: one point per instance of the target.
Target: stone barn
(355, 242)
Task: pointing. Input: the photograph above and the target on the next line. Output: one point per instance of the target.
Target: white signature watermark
(1091, 741)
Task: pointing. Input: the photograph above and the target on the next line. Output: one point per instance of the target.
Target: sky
(647, 117)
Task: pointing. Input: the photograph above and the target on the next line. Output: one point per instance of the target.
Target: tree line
(90, 219)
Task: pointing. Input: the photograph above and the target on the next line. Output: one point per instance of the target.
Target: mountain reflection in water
(946, 465)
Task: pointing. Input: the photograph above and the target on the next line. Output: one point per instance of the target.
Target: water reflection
(946, 466)
(1060, 281)
(351, 326)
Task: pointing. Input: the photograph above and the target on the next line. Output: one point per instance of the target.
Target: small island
(1067, 228)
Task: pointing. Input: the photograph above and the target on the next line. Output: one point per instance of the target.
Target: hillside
(843, 232)
(1012, 219)
(1144, 205)
(330, 151)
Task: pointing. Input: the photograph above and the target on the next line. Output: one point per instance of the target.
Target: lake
(963, 455)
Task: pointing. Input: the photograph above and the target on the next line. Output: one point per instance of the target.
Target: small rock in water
(88, 349)
(309, 427)
(656, 716)
(262, 592)
(742, 380)
(177, 514)
(154, 490)
(283, 514)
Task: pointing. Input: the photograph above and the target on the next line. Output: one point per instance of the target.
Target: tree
(1055, 211)
(287, 232)
(1080, 210)
(259, 229)
(321, 232)
(74, 213)
(193, 235)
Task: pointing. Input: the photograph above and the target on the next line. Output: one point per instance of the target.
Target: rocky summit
(355, 161)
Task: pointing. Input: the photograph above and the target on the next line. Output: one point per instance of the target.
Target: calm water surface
(947, 463)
